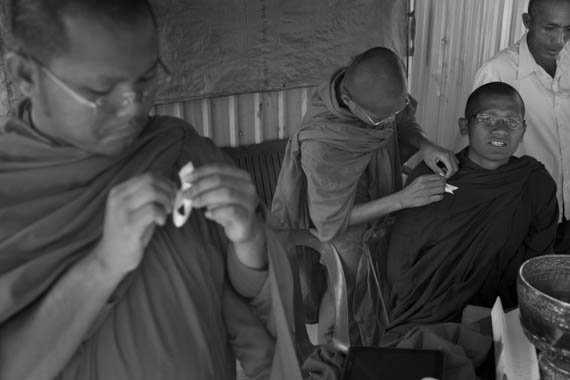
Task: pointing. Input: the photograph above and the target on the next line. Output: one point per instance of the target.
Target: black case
(375, 363)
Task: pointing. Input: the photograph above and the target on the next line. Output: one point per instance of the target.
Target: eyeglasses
(386, 119)
(491, 121)
(113, 102)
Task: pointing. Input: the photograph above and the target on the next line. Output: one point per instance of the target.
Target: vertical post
(206, 118)
(257, 110)
(232, 118)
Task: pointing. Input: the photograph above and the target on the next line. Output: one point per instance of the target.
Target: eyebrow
(509, 115)
(556, 25)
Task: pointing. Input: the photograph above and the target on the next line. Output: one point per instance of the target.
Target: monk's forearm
(37, 343)
(366, 212)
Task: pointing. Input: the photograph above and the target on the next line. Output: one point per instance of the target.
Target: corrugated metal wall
(246, 118)
(453, 39)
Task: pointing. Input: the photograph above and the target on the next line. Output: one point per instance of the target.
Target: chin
(120, 139)
(111, 147)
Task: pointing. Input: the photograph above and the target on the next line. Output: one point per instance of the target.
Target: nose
(560, 38)
(500, 128)
(132, 104)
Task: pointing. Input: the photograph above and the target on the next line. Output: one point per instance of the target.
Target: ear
(463, 124)
(526, 20)
(22, 71)
(345, 98)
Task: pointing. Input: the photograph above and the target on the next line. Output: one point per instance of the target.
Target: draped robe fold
(177, 316)
(331, 163)
(466, 248)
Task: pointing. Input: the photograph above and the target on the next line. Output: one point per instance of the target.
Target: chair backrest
(263, 162)
(337, 283)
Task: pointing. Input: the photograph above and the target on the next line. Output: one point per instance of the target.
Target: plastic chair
(336, 281)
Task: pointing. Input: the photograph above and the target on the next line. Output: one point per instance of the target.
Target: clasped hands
(135, 207)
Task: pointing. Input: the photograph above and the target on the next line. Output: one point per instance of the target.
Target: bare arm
(37, 343)
(422, 191)
(365, 212)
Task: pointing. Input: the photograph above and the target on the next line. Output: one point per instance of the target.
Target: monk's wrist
(252, 252)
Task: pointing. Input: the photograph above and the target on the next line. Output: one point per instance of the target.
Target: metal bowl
(543, 289)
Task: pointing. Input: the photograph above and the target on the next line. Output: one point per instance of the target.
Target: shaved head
(374, 75)
(491, 90)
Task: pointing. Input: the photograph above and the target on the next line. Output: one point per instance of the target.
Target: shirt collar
(527, 65)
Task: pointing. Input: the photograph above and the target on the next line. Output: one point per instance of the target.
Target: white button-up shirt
(547, 103)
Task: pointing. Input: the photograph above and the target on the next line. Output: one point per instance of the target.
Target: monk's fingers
(238, 222)
(142, 190)
(440, 160)
(220, 189)
(431, 182)
(147, 215)
(216, 170)
(219, 196)
(449, 162)
(434, 198)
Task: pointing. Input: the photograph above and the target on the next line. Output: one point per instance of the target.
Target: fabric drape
(177, 315)
(466, 248)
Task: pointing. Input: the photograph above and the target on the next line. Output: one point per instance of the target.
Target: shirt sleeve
(485, 74)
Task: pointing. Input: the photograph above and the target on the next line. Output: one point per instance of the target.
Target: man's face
(548, 29)
(108, 65)
(494, 135)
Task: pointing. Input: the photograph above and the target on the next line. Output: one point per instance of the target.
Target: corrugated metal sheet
(246, 118)
(453, 39)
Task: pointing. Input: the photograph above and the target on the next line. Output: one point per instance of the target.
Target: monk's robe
(466, 248)
(333, 162)
(177, 316)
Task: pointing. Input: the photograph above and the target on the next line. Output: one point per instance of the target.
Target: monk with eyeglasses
(467, 248)
(96, 280)
(342, 168)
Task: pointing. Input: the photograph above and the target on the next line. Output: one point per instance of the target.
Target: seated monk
(468, 247)
(96, 282)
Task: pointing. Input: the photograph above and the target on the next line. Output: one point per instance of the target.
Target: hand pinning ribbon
(182, 206)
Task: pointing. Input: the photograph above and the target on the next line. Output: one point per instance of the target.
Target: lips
(498, 143)
(555, 52)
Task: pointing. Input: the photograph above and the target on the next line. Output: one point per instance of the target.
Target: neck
(549, 65)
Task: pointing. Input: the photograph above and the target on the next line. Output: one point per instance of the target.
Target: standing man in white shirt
(538, 66)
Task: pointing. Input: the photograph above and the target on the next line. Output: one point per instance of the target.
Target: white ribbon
(182, 206)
